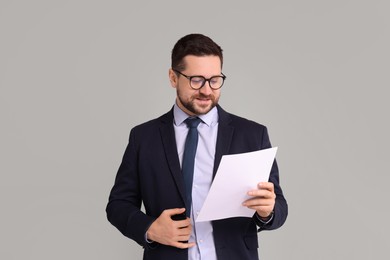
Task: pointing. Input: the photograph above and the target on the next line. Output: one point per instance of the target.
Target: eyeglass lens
(198, 82)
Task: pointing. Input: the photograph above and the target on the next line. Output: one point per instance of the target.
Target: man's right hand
(169, 232)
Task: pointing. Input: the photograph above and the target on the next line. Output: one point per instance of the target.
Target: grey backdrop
(75, 76)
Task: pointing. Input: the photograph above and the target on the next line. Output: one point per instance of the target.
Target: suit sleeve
(281, 208)
(123, 208)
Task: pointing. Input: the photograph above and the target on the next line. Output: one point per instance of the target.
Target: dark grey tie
(189, 159)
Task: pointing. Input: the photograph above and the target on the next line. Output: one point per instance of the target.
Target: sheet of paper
(236, 175)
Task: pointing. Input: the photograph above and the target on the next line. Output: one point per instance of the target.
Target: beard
(198, 109)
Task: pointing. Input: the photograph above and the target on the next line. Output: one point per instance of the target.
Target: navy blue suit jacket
(150, 174)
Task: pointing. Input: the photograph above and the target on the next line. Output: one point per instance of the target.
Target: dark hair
(194, 44)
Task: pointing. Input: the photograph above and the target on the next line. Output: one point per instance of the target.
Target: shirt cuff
(147, 240)
(268, 220)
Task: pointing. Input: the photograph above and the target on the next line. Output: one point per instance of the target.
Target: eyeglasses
(197, 82)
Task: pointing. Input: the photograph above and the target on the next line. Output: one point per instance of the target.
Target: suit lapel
(169, 142)
(224, 138)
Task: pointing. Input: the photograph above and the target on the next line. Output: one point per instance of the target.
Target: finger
(261, 193)
(183, 237)
(175, 211)
(262, 201)
(184, 231)
(183, 245)
(258, 203)
(262, 207)
(183, 223)
(184, 226)
(266, 186)
(268, 207)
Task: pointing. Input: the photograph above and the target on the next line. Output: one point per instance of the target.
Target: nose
(206, 89)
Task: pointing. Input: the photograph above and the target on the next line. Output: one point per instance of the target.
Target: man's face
(201, 101)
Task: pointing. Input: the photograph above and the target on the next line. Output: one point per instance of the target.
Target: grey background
(75, 76)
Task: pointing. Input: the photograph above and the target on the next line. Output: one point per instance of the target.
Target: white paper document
(236, 175)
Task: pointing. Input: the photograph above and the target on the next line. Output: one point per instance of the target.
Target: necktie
(189, 159)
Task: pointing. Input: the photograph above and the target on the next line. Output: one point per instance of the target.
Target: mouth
(203, 100)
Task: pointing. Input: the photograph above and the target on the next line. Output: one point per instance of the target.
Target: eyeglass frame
(223, 76)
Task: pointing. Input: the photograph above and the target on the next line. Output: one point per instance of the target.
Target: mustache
(204, 96)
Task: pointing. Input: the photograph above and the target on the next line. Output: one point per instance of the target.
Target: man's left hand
(263, 200)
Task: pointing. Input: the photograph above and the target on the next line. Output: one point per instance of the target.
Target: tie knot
(193, 122)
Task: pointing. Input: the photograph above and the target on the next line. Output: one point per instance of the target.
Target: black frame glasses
(201, 81)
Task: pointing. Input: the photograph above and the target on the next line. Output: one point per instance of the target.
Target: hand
(263, 200)
(169, 232)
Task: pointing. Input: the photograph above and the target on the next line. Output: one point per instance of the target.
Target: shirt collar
(209, 119)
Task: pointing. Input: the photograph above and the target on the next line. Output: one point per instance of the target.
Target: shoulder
(238, 121)
(244, 122)
(247, 134)
(153, 125)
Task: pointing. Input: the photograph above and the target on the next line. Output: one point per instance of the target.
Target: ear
(173, 78)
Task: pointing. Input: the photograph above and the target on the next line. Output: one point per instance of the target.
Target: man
(155, 170)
